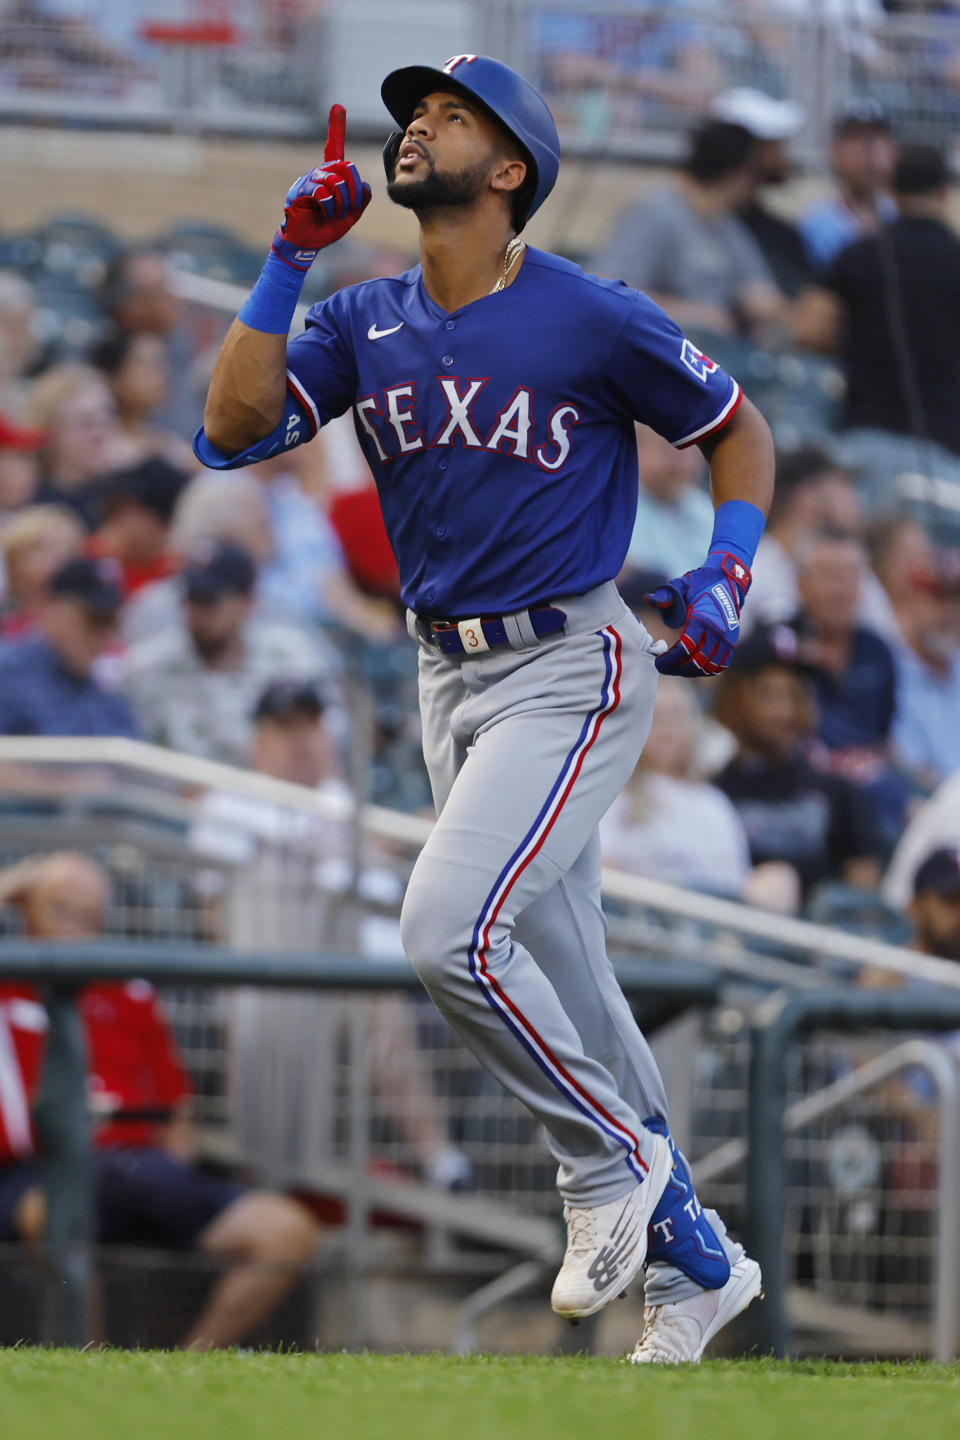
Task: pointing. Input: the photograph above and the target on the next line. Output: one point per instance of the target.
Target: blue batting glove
(706, 602)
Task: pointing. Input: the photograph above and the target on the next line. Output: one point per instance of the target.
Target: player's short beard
(448, 191)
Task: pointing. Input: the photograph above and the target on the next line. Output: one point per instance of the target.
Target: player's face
(449, 154)
(936, 919)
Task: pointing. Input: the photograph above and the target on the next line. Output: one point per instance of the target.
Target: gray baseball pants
(526, 749)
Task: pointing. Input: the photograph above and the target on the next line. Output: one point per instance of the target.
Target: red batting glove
(323, 204)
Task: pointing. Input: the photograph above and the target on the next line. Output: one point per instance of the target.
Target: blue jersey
(500, 435)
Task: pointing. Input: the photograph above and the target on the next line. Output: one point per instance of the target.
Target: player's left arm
(705, 603)
(740, 457)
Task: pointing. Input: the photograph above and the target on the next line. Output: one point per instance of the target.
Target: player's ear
(509, 174)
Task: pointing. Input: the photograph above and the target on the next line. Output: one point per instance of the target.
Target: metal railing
(266, 900)
(725, 930)
(777, 1027)
(64, 1124)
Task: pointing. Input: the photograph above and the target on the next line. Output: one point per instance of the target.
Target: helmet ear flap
(390, 152)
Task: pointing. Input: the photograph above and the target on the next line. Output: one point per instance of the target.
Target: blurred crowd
(144, 597)
(820, 749)
(254, 619)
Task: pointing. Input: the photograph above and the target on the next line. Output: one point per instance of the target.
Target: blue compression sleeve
(294, 429)
(737, 527)
(271, 303)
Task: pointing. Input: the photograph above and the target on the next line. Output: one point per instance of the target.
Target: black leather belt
(486, 632)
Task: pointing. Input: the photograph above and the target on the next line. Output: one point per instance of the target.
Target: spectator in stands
(73, 406)
(855, 681)
(887, 305)
(855, 678)
(935, 907)
(195, 685)
(771, 123)
(19, 343)
(353, 508)
(814, 825)
(862, 157)
(48, 684)
(812, 493)
(136, 367)
(149, 1188)
(301, 574)
(668, 823)
(306, 576)
(935, 826)
(138, 505)
(34, 545)
(926, 728)
(212, 508)
(294, 869)
(674, 510)
(686, 248)
(137, 296)
(901, 553)
(19, 468)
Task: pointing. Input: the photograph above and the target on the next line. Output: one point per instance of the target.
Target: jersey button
(429, 593)
(448, 359)
(440, 531)
(450, 325)
(442, 464)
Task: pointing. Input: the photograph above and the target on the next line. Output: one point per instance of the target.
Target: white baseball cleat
(607, 1244)
(678, 1334)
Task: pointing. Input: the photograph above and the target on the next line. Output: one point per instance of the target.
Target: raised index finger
(336, 133)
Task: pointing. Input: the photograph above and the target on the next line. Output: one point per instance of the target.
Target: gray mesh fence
(334, 1093)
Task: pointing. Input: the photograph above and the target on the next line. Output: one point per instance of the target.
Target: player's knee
(435, 927)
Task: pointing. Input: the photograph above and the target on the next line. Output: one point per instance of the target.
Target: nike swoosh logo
(374, 334)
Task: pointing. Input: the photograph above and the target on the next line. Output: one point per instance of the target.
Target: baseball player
(494, 390)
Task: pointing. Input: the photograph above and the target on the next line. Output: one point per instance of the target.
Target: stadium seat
(212, 251)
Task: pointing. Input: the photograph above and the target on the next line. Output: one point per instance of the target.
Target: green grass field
(104, 1395)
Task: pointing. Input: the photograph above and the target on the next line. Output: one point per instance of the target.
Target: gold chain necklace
(514, 250)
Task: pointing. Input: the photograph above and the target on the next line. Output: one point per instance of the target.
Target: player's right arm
(247, 398)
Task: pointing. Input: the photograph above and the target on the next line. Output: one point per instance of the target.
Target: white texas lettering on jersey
(400, 419)
(513, 432)
(513, 424)
(459, 407)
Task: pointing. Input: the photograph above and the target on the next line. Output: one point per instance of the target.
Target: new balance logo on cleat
(605, 1268)
(607, 1244)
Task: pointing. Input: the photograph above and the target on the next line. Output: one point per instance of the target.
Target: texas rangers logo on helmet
(696, 362)
(456, 60)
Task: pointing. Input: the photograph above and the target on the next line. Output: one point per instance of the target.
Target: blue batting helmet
(510, 99)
